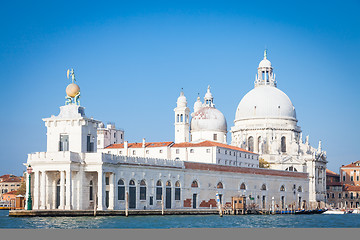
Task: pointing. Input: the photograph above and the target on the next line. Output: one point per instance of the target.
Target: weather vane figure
(72, 90)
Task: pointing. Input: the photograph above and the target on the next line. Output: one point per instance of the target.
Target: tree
(22, 189)
(263, 163)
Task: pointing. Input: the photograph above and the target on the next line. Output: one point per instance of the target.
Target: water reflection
(212, 221)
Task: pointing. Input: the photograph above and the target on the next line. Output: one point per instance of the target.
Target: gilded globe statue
(72, 90)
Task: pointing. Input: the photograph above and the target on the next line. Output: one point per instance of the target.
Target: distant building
(333, 189)
(9, 183)
(343, 190)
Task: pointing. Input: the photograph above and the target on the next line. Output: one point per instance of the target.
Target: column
(111, 192)
(36, 190)
(62, 189)
(43, 190)
(54, 183)
(80, 191)
(100, 190)
(68, 190)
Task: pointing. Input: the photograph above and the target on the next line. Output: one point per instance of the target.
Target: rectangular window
(147, 151)
(121, 193)
(158, 193)
(161, 151)
(344, 178)
(88, 143)
(218, 150)
(177, 193)
(107, 180)
(357, 178)
(177, 151)
(191, 150)
(64, 142)
(151, 200)
(215, 137)
(351, 178)
(143, 193)
(208, 150)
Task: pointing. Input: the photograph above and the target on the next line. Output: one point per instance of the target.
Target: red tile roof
(11, 193)
(210, 144)
(11, 178)
(256, 171)
(352, 164)
(139, 145)
(179, 145)
(331, 173)
(348, 187)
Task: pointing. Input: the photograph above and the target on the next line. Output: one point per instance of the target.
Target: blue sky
(131, 59)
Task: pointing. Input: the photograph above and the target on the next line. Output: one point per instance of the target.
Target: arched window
(263, 187)
(177, 190)
(132, 182)
(299, 189)
(177, 118)
(142, 190)
(251, 144)
(282, 188)
(243, 186)
(158, 190)
(220, 185)
(91, 190)
(194, 184)
(181, 118)
(168, 184)
(121, 190)
(283, 144)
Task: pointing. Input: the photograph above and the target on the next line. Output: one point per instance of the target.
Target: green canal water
(198, 221)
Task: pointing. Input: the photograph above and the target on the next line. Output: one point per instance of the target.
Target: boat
(337, 211)
(4, 205)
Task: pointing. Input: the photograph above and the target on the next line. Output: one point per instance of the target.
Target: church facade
(266, 123)
(87, 166)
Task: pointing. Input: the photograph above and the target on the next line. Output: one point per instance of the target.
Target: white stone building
(266, 123)
(75, 171)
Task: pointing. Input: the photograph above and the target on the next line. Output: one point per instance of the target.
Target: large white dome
(208, 118)
(265, 102)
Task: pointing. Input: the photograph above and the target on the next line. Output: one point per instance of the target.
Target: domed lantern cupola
(265, 75)
(208, 99)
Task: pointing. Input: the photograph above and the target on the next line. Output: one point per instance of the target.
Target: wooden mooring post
(126, 204)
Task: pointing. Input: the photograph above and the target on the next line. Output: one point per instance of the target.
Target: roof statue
(72, 90)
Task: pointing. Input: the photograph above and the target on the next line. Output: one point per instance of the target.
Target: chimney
(126, 147)
(143, 143)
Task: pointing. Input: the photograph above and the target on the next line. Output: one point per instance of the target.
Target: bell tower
(182, 128)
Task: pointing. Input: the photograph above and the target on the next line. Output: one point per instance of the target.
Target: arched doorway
(132, 194)
(168, 195)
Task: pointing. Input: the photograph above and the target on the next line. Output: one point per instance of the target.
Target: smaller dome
(72, 90)
(265, 63)
(210, 119)
(181, 101)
